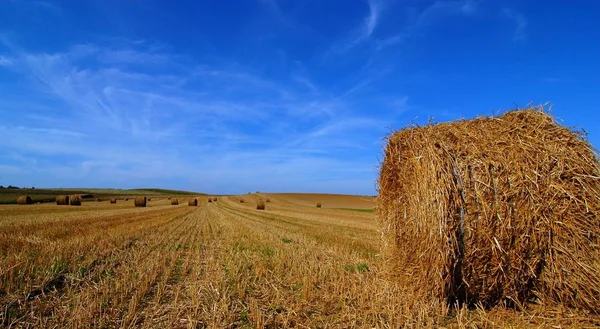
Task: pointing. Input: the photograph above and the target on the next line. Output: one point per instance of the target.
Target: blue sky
(272, 95)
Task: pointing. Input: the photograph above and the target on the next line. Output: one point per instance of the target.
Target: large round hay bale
(318, 204)
(174, 202)
(193, 202)
(209, 199)
(140, 201)
(260, 204)
(494, 210)
(113, 200)
(268, 200)
(75, 200)
(214, 199)
(62, 200)
(241, 200)
(24, 199)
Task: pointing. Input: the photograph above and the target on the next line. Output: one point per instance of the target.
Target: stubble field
(222, 264)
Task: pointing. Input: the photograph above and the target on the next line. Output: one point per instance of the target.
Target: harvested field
(226, 265)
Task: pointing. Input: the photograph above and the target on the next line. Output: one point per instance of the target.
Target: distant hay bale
(193, 202)
(490, 211)
(75, 200)
(126, 199)
(268, 200)
(318, 204)
(113, 200)
(149, 199)
(174, 202)
(260, 204)
(209, 200)
(24, 199)
(140, 201)
(241, 200)
(169, 198)
(214, 199)
(98, 199)
(62, 200)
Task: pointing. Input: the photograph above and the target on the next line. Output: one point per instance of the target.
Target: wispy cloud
(441, 9)
(362, 33)
(133, 114)
(5, 61)
(520, 24)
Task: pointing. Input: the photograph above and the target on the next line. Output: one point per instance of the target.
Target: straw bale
(501, 210)
(193, 202)
(260, 204)
(140, 201)
(24, 199)
(75, 200)
(62, 200)
(174, 202)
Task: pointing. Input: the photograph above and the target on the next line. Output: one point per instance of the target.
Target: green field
(9, 196)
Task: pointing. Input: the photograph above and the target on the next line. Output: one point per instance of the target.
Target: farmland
(221, 264)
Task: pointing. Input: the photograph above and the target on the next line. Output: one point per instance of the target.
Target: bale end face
(174, 202)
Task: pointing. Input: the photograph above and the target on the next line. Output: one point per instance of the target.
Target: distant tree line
(11, 187)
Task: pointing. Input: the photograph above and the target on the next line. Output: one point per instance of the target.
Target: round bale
(140, 201)
(75, 200)
(62, 200)
(24, 199)
(495, 210)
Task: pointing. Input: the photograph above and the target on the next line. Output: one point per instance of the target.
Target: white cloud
(5, 61)
(118, 122)
(520, 24)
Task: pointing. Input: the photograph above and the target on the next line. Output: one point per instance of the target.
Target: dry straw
(241, 200)
(140, 201)
(494, 211)
(62, 200)
(260, 204)
(318, 204)
(75, 200)
(174, 202)
(193, 202)
(113, 200)
(215, 199)
(24, 199)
